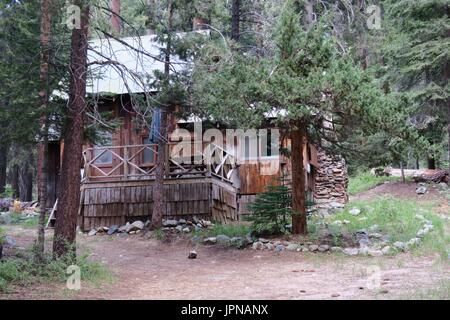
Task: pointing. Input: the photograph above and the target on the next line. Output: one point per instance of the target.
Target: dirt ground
(148, 269)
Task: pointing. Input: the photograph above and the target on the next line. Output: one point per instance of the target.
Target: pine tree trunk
(69, 197)
(159, 200)
(15, 181)
(431, 161)
(26, 179)
(235, 19)
(298, 139)
(115, 16)
(43, 145)
(3, 163)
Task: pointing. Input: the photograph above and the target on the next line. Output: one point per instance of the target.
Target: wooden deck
(122, 191)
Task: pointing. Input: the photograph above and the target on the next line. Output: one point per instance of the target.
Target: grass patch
(365, 181)
(230, 230)
(397, 219)
(440, 291)
(23, 270)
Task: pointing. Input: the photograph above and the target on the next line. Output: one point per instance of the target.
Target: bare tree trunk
(402, 169)
(69, 197)
(298, 139)
(3, 163)
(26, 179)
(159, 200)
(235, 19)
(15, 181)
(43, 145)
(115, 16)
(431, 161)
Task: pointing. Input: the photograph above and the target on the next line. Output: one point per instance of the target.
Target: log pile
(331, 180)
(435, 176)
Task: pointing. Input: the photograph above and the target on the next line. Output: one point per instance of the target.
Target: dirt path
(148, 269)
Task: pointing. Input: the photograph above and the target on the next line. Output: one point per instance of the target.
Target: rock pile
(331, 180)
(170, 225)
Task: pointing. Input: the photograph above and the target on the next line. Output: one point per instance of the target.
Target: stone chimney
(115, 16)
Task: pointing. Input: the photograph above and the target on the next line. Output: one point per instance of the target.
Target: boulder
(292, 247)
(182, 221)
(263, 240)
(421, 190)
(313, 247)
(279, 248)
(238, 242)
(170, 223)
(258, 245)
(223, 239)
(186, 230)
(135, 226)
(124, 227)
(269, 246)
(336, 249)
(179, 228)
(192, 255)
(399, 245)
(351, 251)
(113, 229)
(210, 240)
(375, 253)
(324, 248)
(354, 211)
(364, 251)
(386, 250)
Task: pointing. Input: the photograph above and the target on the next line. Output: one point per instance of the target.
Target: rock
(197, 228)
(386, 250)
(195, 239)
(304, 249)
(147, 223)
(413, 242)
(375, 253)
(364, 251)
(186, 230)
(279, 248)
(210, 240)
(376, 235)
(292, 247)
(223, 239)
(5, 218)
(313, 247)
(124, 228)
(192, 255)
(182, 221)
(258, 245)
(443, 186)
(337, 223)
(170, 223)
(336, 204)
(263, 240)
(324, 248)
(93, 232)
(421, 190)
(421, 233)
(135, 226)
(374, 228)
(336, 249)
(354, 211)
(351, 251)
(113, 229)
(362, 237)
(345, 222)
(195, 220)
(420, 217)
(399, 245)
(179, 228)
(9, 242)
(269, 246)
(132, 232)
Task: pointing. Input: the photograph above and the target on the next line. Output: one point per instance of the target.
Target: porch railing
(138, 162)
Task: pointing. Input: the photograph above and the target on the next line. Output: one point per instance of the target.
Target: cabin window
(148, 154)
(105, 140)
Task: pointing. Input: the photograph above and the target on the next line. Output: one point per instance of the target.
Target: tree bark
(43, 144)
(3, 163)
(431, 161)
(26, 179)
(298, 139)
(159, 200)
(235, 20)
(15, 181)
(115, 16)
(69, 197)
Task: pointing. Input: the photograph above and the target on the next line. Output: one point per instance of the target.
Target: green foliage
(394, 217)
(25, 271)
(230, 230)
(271, 210)
(8, 192)
(365, 180)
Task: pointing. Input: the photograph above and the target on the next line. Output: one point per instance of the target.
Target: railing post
(125, 162)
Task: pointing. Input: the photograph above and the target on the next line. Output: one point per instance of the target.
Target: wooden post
(167, 159)
(87, 165)
(125, 163)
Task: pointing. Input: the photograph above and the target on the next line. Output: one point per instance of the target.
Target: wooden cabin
(118, 176)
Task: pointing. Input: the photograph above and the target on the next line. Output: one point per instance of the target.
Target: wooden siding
(109, 203)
